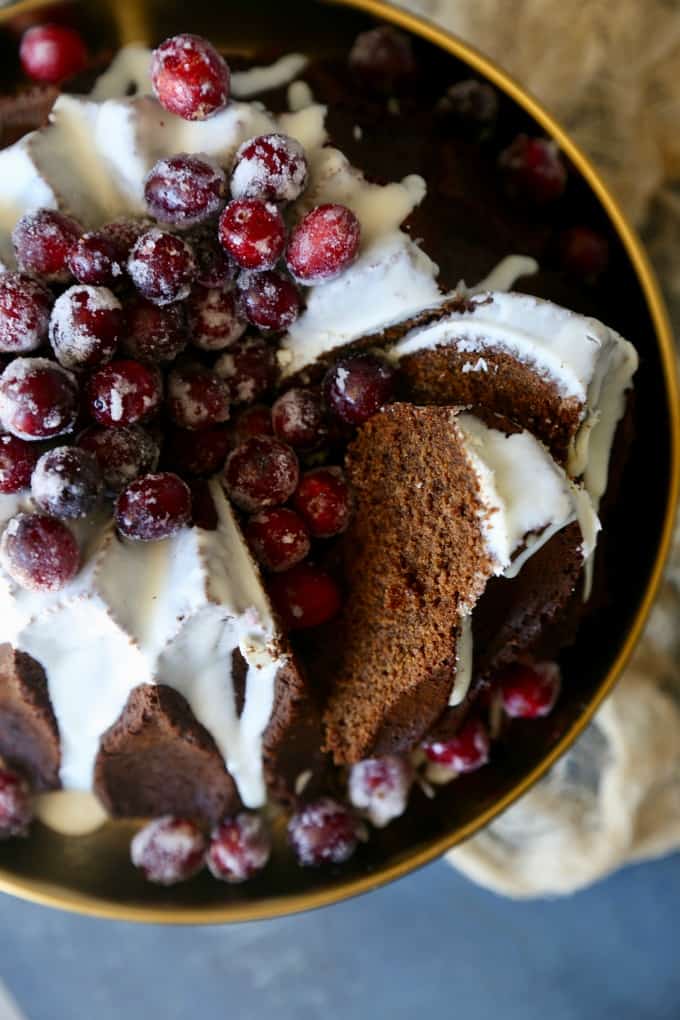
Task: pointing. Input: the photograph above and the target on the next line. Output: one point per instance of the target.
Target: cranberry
(323, 501)
(323, 244)
(153, 507)
(253, 233)
(380, 787)
(124, 393)
(470, 108)
(324, 832)
(534, 170)
(272, 168)
(124, 233)
(189, 77)
(197, 397)
(382, 58)
(67, 482)
(214, 319)
(530, 692)
(270, 301)
(17, 460)
(278, 538)
(198, 452)
(250, 369)
(183, 190)
(16, 813)
(24, 313)
(96, 259)
(357, 387)
(154, 334)
(161, 266)
(261, 472)
(51, 53)
(39, 552)
(239, 848)
(253, 421)
(214, 268)
(42, 242)
(85, 326)
(298, 419)
(466, 751)
(305, 596)
(122, 454)
(38, 399)
(584, 253)
(168, 850)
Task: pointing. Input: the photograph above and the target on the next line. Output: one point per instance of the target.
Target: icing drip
(464, 657)
(70, 812)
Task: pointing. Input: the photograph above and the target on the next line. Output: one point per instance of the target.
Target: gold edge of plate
(285, 905)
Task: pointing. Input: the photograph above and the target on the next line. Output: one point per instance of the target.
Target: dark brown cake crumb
(29, 737)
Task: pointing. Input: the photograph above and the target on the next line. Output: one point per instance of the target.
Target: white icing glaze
(299, 96)
(505, 275)
(464, 659)
(70, 812)
(260, 79)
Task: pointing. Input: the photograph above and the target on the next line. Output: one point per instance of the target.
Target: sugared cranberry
(154, 334)
(239, 848)
(467, 751)
(214, 268)
(534, 170)
(39, 552)
(189, 77)
(324, 832)
(260, 473)
(42, 242)
(583, 252)
(252, 421)
(271, 167)
(269, 300)
(183, 190)
(168, 850)
(124, 393)
(85, 326)
(153, 507)
(124, 233)
(530, 692)
(250, 369)
(38, 399)
(323, 244)
(355, 388)
(305, 596)
(162, 267)
(24, 313)
(198, 452)
(469, 108)
(67, 482)
(17, 460)
(123, 454)
(16, 813)
(253, 233)
(96, 259)
(298, 419)
(215, 321)
(51, 53)
(278, 538)
(380, 787)
(382, 58)
(323, 501)
(197, 397)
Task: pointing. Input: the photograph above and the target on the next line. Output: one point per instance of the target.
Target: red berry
(214, 268)
(530, 692)
(183, 190)
(153, 507)
(85, 326)
(168, 850)
(38, 399)
(39, 552)
(380, 787)
(253, 233)
(466, 751)
(67, 482)
(250, 369)
(239, 848)
(24, 313)
(324, 832)
(323, 244)
(253, 421)
(270, 301)
(16, 813)
(162, 267)
(42, 242)
(584, 253)
(124, 393)
(189, 77)
(298, 419)
(382, 59)
(271, 167)
(470, 108)
(305, 596)
(215, 321)
(534, 170)
(17, 460)
(278, 538)
(123, 454)
(124, 233)
(52, 53)
(262, 472)
(96, 259)
(357, 387)
(197, 452)
(323, 501)
(154, 334)
(197, 397)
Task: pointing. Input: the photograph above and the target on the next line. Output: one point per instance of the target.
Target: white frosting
(464, 659)
(505, 275)
(70, 812)
(260, 79)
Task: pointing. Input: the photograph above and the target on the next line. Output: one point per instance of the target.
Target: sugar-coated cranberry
(197, 397)
(161, 266)
(51, 53)
(252, 421)
(24, 313)
(17, 460)
(42, 242)
(183, 190)
(215, 320)
(323, 501)
(469, 108)
(214, 268)
(534, 170)
(530, 692)
(153, 507)
(123, 393)
(382, 58)
(298, 418)
(356, 387)
(278, 538)
(16, 813)
(269, 300)
(270, 167)
(122, 454)
(67, 482)
(380, 787)
(197, 452)
(253, 233)
(305, 596)
(38, 399)
(96, 259)
(168, 850)
(323, 244)
(85, 326)
(467, 751)
(584, 252)
(250, 369)
(124, 233)
(39, 552)
(261, 472)
(154, 334)
(189, 77)
(239, 848)
(324, 832)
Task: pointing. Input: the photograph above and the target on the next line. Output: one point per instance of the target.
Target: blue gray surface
(431, 947)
